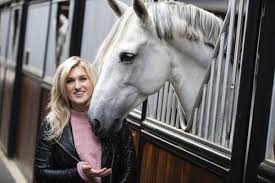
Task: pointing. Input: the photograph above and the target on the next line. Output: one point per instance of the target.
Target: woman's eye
(127, 57)
(69, 81)
(83, 79)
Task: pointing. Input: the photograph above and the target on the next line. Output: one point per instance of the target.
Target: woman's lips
(79, 93)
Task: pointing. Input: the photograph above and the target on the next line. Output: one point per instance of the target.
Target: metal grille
(212, 117)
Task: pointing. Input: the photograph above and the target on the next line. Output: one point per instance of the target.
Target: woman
(67, 149)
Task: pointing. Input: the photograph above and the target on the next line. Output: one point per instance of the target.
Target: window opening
(62, 22)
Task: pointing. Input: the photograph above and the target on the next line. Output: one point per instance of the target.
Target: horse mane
(172, 20)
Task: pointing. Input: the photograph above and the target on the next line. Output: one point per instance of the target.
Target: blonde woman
(67, 150)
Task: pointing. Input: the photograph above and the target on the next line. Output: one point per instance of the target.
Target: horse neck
(189, 61)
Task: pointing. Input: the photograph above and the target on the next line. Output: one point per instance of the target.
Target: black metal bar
(16, 90)
(77, 28)
(143, 110)
(245, 93)
(47, 40)
(263, 94)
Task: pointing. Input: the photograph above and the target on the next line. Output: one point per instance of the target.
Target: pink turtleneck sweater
(87, 145)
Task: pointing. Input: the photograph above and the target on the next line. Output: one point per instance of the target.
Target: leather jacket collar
(66, 142)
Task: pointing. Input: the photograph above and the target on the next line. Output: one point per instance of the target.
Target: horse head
(135, 61)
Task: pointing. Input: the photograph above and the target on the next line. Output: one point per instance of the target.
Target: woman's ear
(118, 7)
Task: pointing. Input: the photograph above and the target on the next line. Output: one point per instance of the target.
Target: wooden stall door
(161, 166)
(27, 125)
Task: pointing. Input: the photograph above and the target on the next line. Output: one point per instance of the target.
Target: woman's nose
(77, 85)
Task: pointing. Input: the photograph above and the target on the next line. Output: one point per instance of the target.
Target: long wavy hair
(59, 105)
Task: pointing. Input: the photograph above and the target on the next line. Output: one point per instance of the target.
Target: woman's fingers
(90, 172)
(107, 172)
(86, 166)
(101, 172)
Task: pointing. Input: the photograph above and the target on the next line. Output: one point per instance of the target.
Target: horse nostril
(96, 125)
(116, 124)
(116, 121)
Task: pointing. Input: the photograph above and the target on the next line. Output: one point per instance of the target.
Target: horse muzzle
(104, 128)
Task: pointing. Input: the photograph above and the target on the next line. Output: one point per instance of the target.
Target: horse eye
(127, 57)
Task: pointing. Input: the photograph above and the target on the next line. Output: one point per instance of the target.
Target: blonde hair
(59, 105)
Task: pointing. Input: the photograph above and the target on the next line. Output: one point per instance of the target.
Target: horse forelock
(178, 20)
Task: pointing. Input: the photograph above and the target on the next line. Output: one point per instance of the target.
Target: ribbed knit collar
(78, 114)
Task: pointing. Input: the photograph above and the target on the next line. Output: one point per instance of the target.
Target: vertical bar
(216, 95)
(144, 106)
(174, 107)
(177, 117)
(248, 57)
(165, 96)
(228, 66)
(231, 126)
(169, 105)
(202, 110)
(271, 127)
(155, 104)
(149, 106)
(160, 97)
(209, 98)
(234, 91)
(27, 56)
(16, 91)
(224, 135)
(195, 119)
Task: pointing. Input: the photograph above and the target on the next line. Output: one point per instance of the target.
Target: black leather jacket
(57, 161)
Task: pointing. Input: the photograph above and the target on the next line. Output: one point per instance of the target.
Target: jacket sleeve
(44, 164)
(128, 160)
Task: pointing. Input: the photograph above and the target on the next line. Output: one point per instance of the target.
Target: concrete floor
(5, 176)
(9, 172)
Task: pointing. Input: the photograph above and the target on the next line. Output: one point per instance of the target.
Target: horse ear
(140, 10)
(118, 7)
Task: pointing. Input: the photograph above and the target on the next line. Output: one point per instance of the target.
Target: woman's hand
(90, 172)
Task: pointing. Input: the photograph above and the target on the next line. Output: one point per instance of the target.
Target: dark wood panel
(160, 166)
(136, 137)
(162, 155)
(45, 94)
(6, 108)
(27, 125)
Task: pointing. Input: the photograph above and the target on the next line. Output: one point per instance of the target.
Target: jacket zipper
(66, 150)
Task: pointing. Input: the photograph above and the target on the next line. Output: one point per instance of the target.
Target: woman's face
(79, 88)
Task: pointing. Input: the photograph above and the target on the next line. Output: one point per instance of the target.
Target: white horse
(61, 36)
(150, 44)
